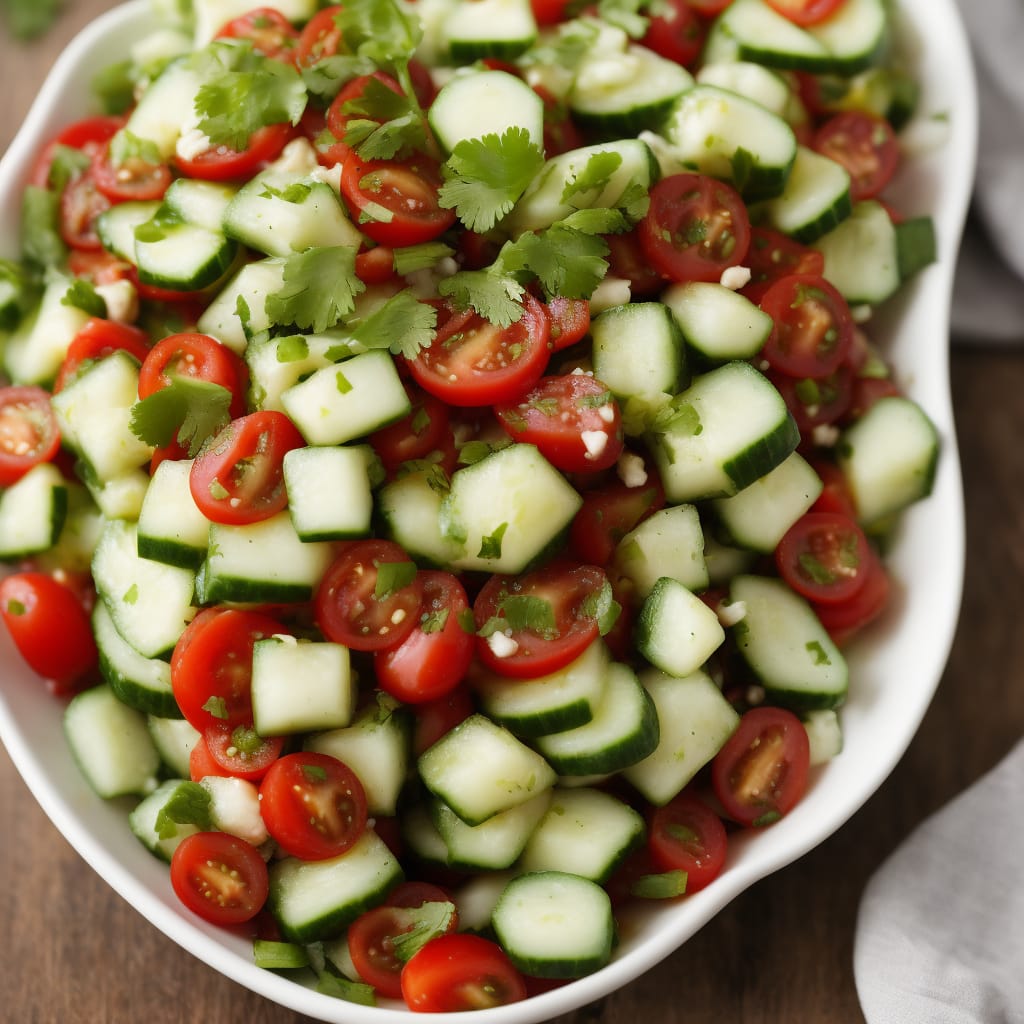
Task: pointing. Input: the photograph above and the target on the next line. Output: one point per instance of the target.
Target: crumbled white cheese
(607, 413)
(861, 314)
(298, 157)
(612, 291)
(235, 808)
(501, 645)
(122, 301)
(595, 441)
(424, 282)
(631, 470)
(328, 175)
(735, 278)
(191, 143)
(731, 612)
(825, 435)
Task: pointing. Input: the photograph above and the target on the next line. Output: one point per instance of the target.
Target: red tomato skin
(201, 763)
(136, 180)
(556, 413)
(437, 717)
(347, 609)
(824, 557)
(806, 12)
(219, 741)
(314, 805)
(480, 365)
(320, 38)
(703, 857)
(203, 858)
(570, 321)
(677, 34)
(270, 32)
(866, 145)
(608, 514)
(81, 203)
(29, 433)
(428, 665)
(213, 658)
(681, 203)
(813, 331)
(566, 586)
(223, 164)
(423, 430)
(844, 620)
(773, 738)
(96, 340)
(460, 972)
(407, 189)
(627, 260)
(238, 478)
(773, 255)
(50, 628)
(199, 356)
(88, 135)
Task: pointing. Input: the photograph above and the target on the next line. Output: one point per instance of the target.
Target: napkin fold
(988, 297)
(940, 931)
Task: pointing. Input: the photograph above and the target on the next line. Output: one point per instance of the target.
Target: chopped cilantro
(818, 652)
(490, 546)
(331, 984)
(518, 612)
(402, 324)
(15, 607)
(380, 30)
(484, 177)
(189, 409)
(392, 576)
(291, 350)
(82, 294)
(217, 707)
(342, 382)
(314, 773)
(663, 886)
(411, 258)
(41, 243)
(277, 956)
(320, 286)
(383, 124)
(594, 176)
(188, 804)
(601, 605)
(423, 924)
(114, 87)
(66, 164)
(467, 623)
(131, 595)
(325, 78)
(126, 147)
(768, 818)
(494, 295)
(244, 91)
(434, 622)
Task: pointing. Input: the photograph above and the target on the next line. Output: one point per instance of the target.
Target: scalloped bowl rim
(895, 669)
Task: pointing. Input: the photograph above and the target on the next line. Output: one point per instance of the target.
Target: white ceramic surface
(895, 670)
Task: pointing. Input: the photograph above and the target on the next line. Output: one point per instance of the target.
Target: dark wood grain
(782, 952)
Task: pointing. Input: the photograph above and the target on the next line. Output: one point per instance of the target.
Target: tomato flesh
(219, 877)
(686, 835)
(29, 433)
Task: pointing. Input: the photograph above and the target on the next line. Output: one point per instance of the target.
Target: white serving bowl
(894, 670)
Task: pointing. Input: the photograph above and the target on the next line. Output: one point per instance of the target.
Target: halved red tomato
(573, 419)
(321, 37)
(865, 145)
(608, 514)
(773, 255)
(88, 135)
(396, 202)
(211, 666)
(313, 804)
(695, 228)
(96, 340)
(675, 32)
(134, 180)
(460, 972)
(351, 103)
(81, 204)
(761, 773)
(423, 430)
(686, 835)
(29, 433)
(813, 326)
(545, 618)
(369, 599)
(269, 31)
(627, 260)
(221, 163)
(439, 716)
(433, 659)
(847, 618)
(238, 477)
(240, 751)
(221, 878)
(825, 557)
(570, 321)
(806, 12)
(473, 362)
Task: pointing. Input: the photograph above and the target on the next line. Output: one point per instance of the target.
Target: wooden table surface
(781, 953)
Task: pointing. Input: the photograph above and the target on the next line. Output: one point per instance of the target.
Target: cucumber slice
(32, 512)
(786, 647)
(717, 323)
(815, 199)
(668, 543)
(143, 820)
(475, 29)
(329, 494)
(676, 631)
(554, 924)
(862, 255)
(171, 527)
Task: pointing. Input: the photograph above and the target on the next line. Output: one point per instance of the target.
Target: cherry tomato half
(845, 619)
(313, 804)
(269, 31)
(239, 751)
(81, 204)
(50, 627)
(134, 180)
(806, 12)
(760, 773)
(369, 598)
(198, 356)
(220, 877)
(435, 656)
(572, 419)
(675, 32)
(865, 145)
(695, 228)
(29, 433)
(238, 477)
(773, 255)
(88, 135)
(546, 614)
(608, 514)
(813, 326)
(395, 202)
(421, 431)
(320, 38)
(354, 101)
(686, 835)
(221, 163)
(211, 666)
(570, 321)
(472, 362)
(96, 340)
(460, 972)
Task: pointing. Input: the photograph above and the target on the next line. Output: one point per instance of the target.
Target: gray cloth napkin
(988, 299)
(940, 932)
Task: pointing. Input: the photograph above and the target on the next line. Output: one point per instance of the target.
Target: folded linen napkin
(988, 302)
(940, 932)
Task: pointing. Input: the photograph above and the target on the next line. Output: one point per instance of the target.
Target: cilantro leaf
(114, 87)
(66, 164)
(188, 804)
(392, 576)
(402, 324)
(320, 286)
(41, 243)
(624, 14)
(410, 258)
(325, 78)
(273, 955)
(566, 261)
(189, 409)
(250, 92)
(664, 886)
(82, 294)
(125, 147)
(383, 123)
(485, 176)
(380, 30)
(592, 177)
(490, 546)
(425, 922)
(494, 295)
(519, 612)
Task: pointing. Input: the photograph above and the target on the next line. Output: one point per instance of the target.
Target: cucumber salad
(443, 457)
